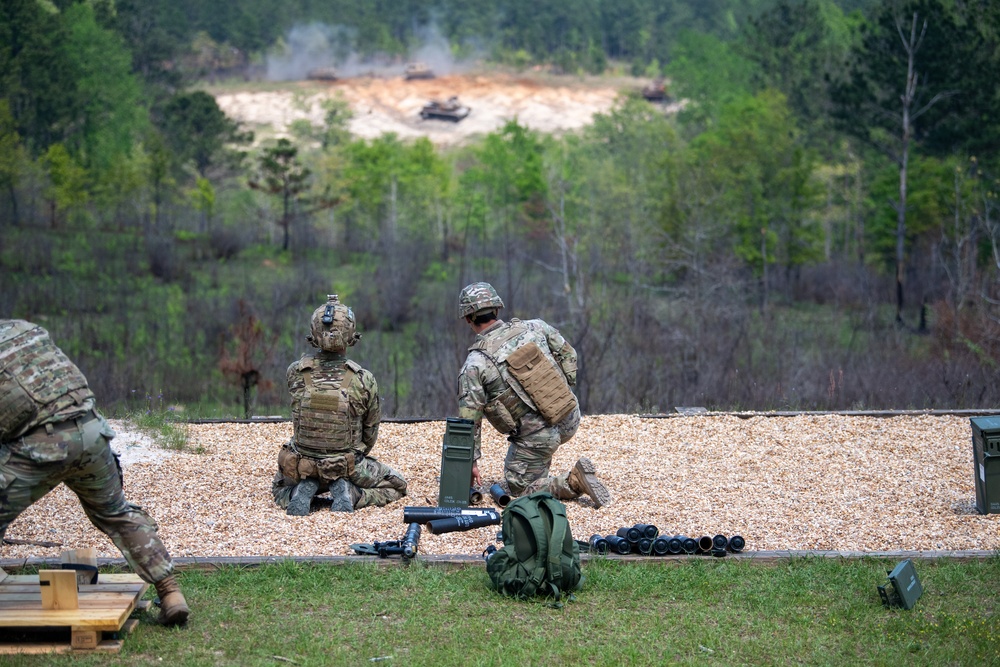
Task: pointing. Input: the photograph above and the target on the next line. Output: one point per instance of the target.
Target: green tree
(901, 78)
(766, 174)
(35, 76)
(198, 131)
(280, 173)
(13, 158)
(708, 73)
(110, 115)
(67, 188)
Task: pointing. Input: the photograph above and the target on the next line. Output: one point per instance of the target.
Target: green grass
(701, 612)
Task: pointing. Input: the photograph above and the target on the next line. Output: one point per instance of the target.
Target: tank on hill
(451, 109)
(418, 71)
(322, 74)
(655, 91)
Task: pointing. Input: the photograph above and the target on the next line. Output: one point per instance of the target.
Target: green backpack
(540, 556)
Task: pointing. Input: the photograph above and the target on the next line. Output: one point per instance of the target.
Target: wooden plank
(3, 575)
(58, 589)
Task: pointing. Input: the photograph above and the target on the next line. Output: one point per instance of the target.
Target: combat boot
(302, 497)
(582, 479)
(344, 495)
(173, 606)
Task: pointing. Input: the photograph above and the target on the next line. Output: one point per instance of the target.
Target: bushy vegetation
(808, 232)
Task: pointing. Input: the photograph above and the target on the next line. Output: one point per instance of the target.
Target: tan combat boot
(173, 606)
(583, 480)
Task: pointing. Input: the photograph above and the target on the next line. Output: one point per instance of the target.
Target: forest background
(818, 228)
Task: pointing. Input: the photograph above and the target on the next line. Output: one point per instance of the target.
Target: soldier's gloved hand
(476, 479)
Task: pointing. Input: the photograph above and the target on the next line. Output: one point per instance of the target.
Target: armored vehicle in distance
(418, 71)
(451, 109)
(322, 74)
(655, 91)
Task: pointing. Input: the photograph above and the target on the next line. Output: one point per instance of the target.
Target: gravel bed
(828, 482)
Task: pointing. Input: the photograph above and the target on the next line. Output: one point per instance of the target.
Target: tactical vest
(534, 382)
(36, 378)
(325, 426)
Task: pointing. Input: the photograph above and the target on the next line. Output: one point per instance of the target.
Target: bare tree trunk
(911, 45)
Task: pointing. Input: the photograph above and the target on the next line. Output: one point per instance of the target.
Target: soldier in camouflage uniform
(519, 376)
(335, 414)
(50, 432)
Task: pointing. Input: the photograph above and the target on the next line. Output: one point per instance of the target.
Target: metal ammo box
(903, 588)
(986, 459)
(456, 462)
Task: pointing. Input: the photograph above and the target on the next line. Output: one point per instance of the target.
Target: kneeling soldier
(335, 415)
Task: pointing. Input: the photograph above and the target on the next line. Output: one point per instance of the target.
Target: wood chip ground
(828, 482)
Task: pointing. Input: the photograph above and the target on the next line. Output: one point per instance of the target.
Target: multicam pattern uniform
(534, 442)
(378, 483)
(67, 441)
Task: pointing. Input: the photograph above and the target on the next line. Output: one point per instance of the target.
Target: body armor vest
(37, 380)
(534, 382)
(324, 425)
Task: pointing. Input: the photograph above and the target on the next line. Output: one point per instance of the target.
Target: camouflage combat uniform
(534, 442)
(377, 483)
(66, 440)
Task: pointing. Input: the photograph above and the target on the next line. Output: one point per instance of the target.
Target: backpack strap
(556, 539)
(537, 576)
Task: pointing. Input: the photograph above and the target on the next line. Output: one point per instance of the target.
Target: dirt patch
(383, 105)
(807, 482)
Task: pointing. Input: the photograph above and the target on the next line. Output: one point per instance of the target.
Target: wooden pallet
(99, 622)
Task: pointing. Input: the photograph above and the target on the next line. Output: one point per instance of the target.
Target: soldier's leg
(22, 482)
(569, 426)
(95, 477)
(378, 483)
(281, 489)
(526, 466)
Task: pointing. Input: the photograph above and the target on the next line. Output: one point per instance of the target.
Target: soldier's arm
(563, 352)
(372, 411)
(471, 400)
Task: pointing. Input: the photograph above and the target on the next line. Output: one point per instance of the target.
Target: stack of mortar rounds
(645, 539)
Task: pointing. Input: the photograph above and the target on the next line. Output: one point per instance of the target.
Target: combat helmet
(478, 297)
(332, 326)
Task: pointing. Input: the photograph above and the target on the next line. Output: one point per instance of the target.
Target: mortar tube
(689, 545)
(644, 546)
(618, 545)
(704, 544)
(660, 547)
(475, 496)
(647, 530)
(599, 545)
(720, 542)
(411, 540)
(500, 497)
(674, 545)
(630, 534)
(736, 543)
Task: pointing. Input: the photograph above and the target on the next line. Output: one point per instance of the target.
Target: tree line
(816, 229)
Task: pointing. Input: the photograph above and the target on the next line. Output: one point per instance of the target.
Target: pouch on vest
(16, 407)
(542, 381)
(498, 415)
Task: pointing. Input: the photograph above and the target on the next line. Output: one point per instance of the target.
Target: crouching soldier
(51, 432)
(335, 416)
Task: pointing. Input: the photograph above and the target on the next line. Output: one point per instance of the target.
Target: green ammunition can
(986, 459)
(457, 453)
